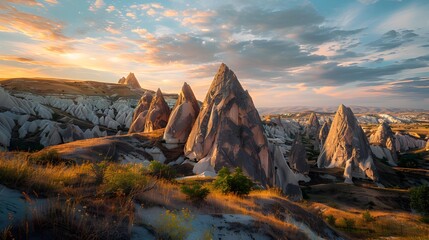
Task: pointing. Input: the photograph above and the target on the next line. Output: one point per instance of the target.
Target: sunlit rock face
(283, 176)
(140, 112)
(157, 114)
(384, 138)
(182, 117)
(405, 142)
(131, 80)
(298, 157)
(347, 147)
(228, 131)
(323, 133)
(312, 130)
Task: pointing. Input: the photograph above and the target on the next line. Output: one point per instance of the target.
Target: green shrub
(195, 192)
(330, 219)
(367, 217)
(419, 197)
(174, 225)
(160, 170)
(99, 171)
(349, 223)
(236, 183)
(125, 179)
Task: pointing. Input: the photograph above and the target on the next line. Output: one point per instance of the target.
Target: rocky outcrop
(131, 80)
(312, 130)
(298, 157)
(404, 142)
(384, 138)
(323, 133)
(158, 113)
(228, 131)
(284, 177)
(347, 147)
(182, 117)
(140, 113)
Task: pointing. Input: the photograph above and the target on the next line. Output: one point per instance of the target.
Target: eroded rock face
(385, 138)
(298, 157)
(157, 114)
(131, 80)
(140, 112)
(312, 130)
(404, 142)
(182, 117)
(347, 147)
(283, 176)
(323, 133)
(228, 131)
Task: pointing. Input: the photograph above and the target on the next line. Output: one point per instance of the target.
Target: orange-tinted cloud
(34, 26)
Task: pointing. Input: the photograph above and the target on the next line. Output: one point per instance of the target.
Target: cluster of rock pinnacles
(226, 131)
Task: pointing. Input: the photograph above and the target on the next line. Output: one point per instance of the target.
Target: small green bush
(330, 219)
(195, 192)
(99, 171)
(160, 170)
(367, 217)
(174, 224)
(126, 179)
(348, 223)
(46, 157)
(236, 183)
(419, 197)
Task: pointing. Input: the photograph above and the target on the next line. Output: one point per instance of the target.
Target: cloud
(170, 13)
(318, 35)
(96, 5)
(392, 39)
(110, 8)
(151, 12)
(334, 74)
(112, 30)
(34, 26)
(52, 1)
(368, 2)
(131, 15)
(25, 2)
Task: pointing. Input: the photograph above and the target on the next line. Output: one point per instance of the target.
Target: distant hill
(332, 109)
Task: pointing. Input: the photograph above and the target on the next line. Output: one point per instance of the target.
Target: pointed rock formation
(158, 113)
(384, 138)
(323, 134)
(298, 157)
(228, 131)
(140, 113)
(131, 80)
(347, 147)
(182, 117)
(312, 130)
(284, 177)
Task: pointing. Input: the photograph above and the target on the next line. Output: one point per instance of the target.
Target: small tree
(160, 170)
(420, 199)
(196, 193)
(330, 219)
(236, 183)
(367, 217)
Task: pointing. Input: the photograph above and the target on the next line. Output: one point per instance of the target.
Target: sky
(285, 53)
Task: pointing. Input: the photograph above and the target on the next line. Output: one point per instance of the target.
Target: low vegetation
(174, 224)
(420, 199)
(236, 183)
(195, 192)
(161, 171)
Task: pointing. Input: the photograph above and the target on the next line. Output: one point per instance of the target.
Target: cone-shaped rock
(312, 130)
(140, 113)
(323, 133)
(182, 117)
(284, 177)
(131, 80)
(384, 137)
(158, 113)
(298, 157)
(228, 131)
(122, 80)
(347, 147)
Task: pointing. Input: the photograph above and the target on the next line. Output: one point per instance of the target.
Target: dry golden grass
(397, 224)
